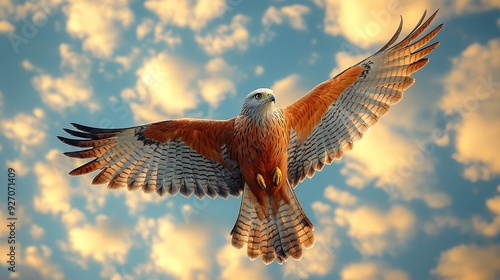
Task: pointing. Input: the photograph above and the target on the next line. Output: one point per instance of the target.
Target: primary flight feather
(264, 152)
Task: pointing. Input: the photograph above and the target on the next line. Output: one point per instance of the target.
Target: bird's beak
(270, 96)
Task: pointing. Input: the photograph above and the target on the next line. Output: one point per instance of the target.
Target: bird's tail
(276, 231)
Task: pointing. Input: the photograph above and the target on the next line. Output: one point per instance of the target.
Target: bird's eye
(258, 96)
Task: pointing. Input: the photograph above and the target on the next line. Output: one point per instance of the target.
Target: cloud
(371, 270)
(345, 60)
(236, 265)
(25, 130)
(437, 223)
(70, 89)
(162, 79)
(6, 27)
(21, 167)
(338, 196)
(471, 6)
(469, 262)
(36, 231)
(471, 102)
(318, 260)
(164, 34)
(218, 83)
(180, 251)
(59, 93)
(293, 14)
(100, 34)
(144, 28)
(186, 13)
(27, 65)
(226, 37)
(53, 196)
(493, 228)
(375, 232)
(366, 24)
(288, 90)
(401, 165)
(115, 237)
(259, 70)
(166, 77)
(38, 258)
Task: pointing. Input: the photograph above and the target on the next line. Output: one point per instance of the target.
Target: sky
(417, 198)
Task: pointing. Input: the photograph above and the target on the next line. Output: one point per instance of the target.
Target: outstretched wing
(186, 156)
(331, 117)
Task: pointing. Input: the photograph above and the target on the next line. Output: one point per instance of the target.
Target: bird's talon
(277, 177)
(261, 182)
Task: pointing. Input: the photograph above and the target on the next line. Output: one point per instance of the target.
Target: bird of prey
(264, 152)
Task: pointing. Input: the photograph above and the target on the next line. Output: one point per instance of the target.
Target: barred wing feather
(384, 77)
(186, 156)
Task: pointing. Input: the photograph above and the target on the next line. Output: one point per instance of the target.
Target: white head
(258, 102)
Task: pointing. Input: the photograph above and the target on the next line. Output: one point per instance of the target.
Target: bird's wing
(332, 116)
(186, 156)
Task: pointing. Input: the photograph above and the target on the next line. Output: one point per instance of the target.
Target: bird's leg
(261, 182)
(277, 176)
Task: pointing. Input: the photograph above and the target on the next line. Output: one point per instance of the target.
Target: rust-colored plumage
(264, 152)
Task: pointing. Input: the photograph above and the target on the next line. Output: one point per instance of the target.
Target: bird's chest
(263, 143)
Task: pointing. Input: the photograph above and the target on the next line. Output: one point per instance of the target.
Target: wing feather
(321, 133)
(187, 156)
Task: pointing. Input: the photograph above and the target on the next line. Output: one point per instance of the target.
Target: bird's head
(258, 101)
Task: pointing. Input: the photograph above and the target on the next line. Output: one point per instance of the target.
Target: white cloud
(21, 167)
(293, 14)
(371, 270)
(36, 231)
(259, 70)
(27, 65)
(493, 228)
(127, 60)
(469, 262)
(67, 91)
(338, 196)
(53, 185)
(318, 260)
(400, 165)
(70, 89)
(163, 33)
(38, 258)
(236, 265)
(437, 223)
(471, 6)
(345, 60)
(25, 130)
(162, 79)
(6, 27)
(288, 90)
(226, 37)
(366, 24)
(144, 28)
(180, 251)
(100, 34)
(110, 241)
(165, 77)
(472, 93)
(375, 232)
(186, 13)
(218, 83)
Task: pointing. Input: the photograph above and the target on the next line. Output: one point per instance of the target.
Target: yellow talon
(277, 177)
(261, 182)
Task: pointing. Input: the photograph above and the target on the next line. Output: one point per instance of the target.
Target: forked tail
(272, 234)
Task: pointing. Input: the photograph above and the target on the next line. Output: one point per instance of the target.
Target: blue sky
(417, 198)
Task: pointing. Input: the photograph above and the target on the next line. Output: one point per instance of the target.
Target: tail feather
(274, 235)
